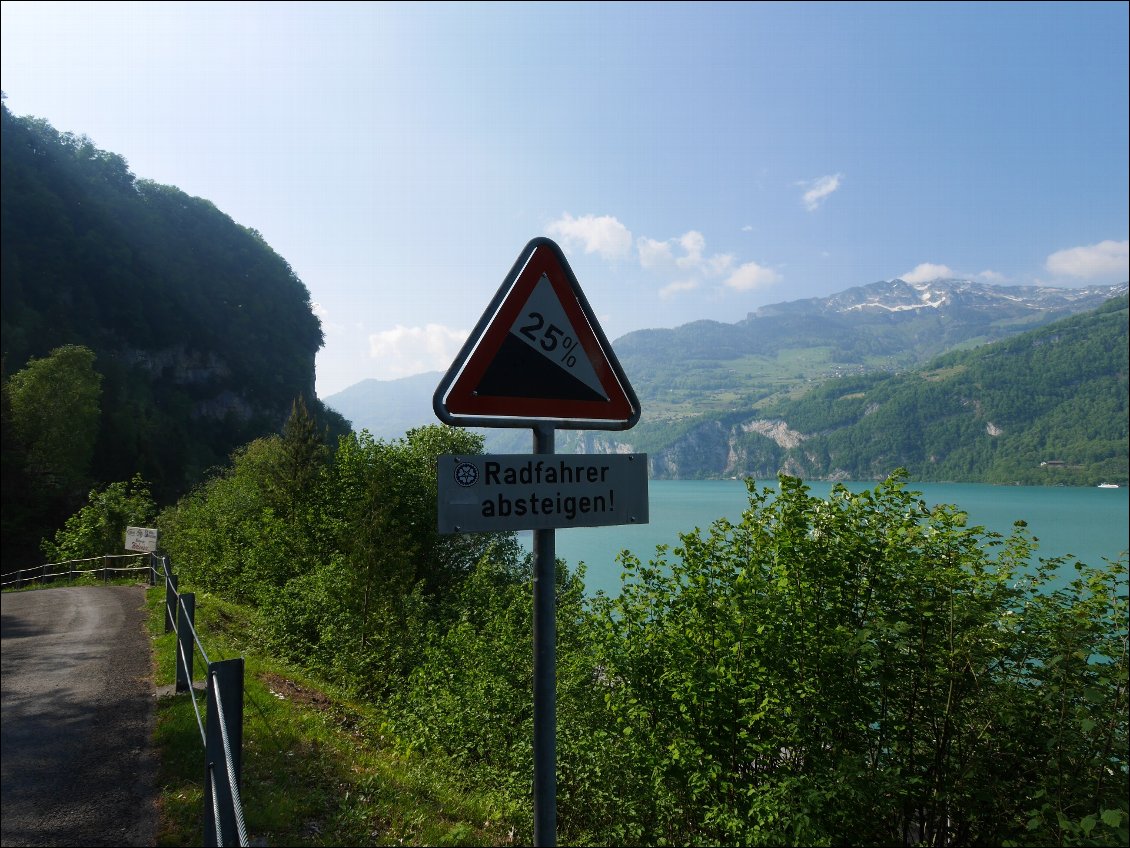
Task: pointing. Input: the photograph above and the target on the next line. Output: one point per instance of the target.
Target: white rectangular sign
(142, 539)
(541, 491)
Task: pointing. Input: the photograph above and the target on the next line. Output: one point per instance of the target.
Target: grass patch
(940, 374)
(317, 767)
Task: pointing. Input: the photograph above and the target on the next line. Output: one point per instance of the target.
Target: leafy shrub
(100, 526)
(863, 669)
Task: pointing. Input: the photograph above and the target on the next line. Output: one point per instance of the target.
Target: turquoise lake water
(1091, 524)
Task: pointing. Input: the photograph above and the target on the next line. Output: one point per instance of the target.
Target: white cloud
(748, 228)
(1105, 259)
(991, 276)
(604, 235)
(403, 351)
(719, 264)
(927, 271)
(656, 254)
(818, 190)
(693, 243)
(752, 276)
(653, 254)
(673, 289)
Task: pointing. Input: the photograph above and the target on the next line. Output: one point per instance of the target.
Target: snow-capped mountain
(897, 295)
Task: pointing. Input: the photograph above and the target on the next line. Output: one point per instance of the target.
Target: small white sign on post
(141, 539)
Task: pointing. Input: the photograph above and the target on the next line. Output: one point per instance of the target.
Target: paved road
(76, 718)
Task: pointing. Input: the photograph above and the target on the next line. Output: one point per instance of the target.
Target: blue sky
(693, 160)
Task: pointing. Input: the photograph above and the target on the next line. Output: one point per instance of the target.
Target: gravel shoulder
(76, 718)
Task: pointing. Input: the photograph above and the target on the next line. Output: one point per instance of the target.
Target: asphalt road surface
(76, 716)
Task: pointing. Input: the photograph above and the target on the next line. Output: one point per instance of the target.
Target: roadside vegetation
(317, 769)
(861, 669)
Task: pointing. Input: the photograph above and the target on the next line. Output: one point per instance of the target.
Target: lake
(1089, 523)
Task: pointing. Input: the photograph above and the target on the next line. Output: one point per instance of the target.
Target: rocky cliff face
(209, 379)
(750, 447)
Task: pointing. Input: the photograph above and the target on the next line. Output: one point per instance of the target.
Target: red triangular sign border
(456, 401)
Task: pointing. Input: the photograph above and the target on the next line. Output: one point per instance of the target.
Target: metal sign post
(545, 670)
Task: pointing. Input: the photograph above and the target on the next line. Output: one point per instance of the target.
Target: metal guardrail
(41, 574)
(221, 729)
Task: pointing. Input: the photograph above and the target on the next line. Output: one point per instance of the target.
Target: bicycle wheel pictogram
(466, 474)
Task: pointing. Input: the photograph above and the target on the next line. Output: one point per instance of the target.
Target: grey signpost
(545, 671)
(538, 358)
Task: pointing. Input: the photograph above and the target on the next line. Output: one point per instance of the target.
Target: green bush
(100, 527)
(865, 670)
(862, 670)
(340, 552)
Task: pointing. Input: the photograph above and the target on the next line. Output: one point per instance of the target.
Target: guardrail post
(186, 615)
(225, 685)
(170, 602)
(152, 570)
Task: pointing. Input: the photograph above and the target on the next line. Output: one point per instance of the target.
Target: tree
(100, 526)
(20, 510)
(300, 463)
(394, 570)
(226, 536)
(54, 412)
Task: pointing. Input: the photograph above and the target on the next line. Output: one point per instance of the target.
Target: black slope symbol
(521, 372)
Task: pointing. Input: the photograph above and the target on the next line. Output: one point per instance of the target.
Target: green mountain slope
(1047, 406)
(708, 366)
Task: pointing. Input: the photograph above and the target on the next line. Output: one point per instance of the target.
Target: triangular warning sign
(537, 356)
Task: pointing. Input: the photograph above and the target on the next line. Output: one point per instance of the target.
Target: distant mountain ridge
(1048, 406)
(388, 408)
(898, 295)
(907, 321)
(692, 374)
(709, 366)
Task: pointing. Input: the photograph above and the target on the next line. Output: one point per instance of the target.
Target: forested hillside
(1045, 407)
(201, 335)
(1049, 406)
(892, 325)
